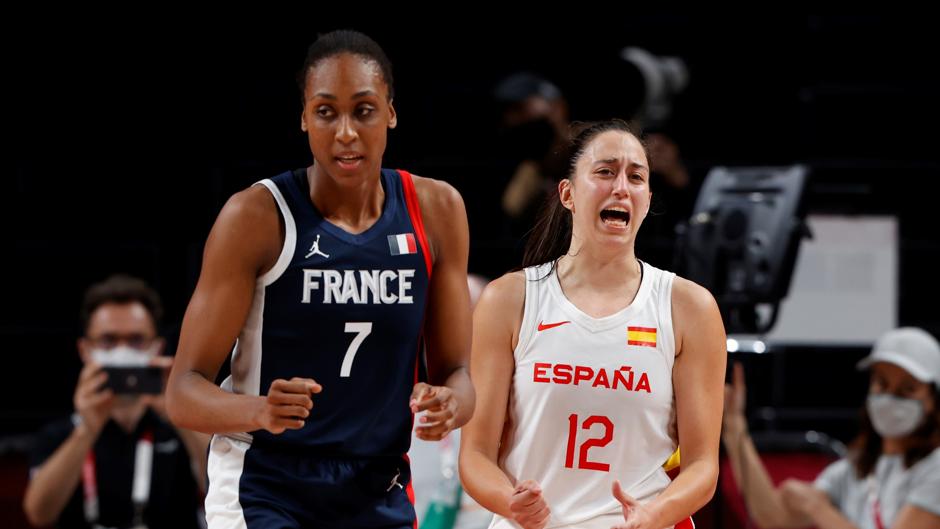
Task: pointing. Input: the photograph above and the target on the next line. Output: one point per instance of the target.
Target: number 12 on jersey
(583, 462)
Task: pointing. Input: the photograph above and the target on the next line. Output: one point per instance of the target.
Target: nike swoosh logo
(544, 326)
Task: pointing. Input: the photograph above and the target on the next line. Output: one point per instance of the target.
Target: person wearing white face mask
(117, 462)
(891, 477)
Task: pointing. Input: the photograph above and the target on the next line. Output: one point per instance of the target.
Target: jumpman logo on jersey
(394, 481)
(315, 249)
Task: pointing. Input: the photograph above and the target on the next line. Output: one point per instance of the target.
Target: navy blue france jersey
(345, 310)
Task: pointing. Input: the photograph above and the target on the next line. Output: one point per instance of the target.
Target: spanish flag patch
(645, 336)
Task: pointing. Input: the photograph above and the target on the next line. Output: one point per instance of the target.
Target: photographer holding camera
(118, 462)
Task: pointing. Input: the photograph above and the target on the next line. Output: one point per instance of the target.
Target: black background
(123, 140)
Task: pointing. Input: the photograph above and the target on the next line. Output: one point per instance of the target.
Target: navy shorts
(254, 486)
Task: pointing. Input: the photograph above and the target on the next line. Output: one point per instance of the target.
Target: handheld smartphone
(135, 380)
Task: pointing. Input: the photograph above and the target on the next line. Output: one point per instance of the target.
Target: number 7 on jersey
(362, 329)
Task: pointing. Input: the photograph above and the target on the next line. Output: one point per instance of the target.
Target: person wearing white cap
(891, 476)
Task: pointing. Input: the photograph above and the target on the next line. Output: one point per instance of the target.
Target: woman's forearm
(691, 489)
(199, 405)
(485, 482)
(763, 500)
(53, 484)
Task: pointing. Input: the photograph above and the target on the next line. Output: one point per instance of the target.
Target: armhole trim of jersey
(529, 312)
(667, 280)
(290, 236)
(414, 211)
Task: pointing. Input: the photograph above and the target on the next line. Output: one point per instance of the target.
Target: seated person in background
(117, 462)
(891, 477)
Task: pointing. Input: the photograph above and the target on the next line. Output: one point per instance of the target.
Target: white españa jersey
(591, 400)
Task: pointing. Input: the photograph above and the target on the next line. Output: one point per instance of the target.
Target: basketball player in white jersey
(592, 367)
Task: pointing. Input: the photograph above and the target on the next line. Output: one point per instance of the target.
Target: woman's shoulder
(688, 291)
(929, 465)
(690, 298)
(444, 217)
(506, 290)
(437, 196)
(837, 478)
(500, 309)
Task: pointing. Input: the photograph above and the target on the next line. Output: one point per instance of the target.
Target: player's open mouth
(349, 161)
(615, 217)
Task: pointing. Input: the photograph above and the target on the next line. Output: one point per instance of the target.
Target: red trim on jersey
(417, 371)
(418, 359)
(417, 221)
(414, 211)
(417, 365)
(411, 493)
(686, 524)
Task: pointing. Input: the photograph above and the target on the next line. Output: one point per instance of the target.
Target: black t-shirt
(174, 496)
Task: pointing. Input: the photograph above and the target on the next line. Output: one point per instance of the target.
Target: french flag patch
(402, 244)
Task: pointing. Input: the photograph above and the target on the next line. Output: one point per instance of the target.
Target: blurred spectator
(118, 462)
(891, 477)
(535, 130)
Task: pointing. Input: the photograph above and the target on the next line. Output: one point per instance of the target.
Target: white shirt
(891, 484)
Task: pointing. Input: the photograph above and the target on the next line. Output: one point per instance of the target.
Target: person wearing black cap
(891, 476)
(535, 130)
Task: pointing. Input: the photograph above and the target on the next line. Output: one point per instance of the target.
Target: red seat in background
(14, 475)
(780, 466)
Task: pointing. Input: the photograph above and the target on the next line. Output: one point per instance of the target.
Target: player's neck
(603, 271)
(353, 206)
(599, 288)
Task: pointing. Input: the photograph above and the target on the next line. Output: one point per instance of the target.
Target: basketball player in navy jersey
(335, 280)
